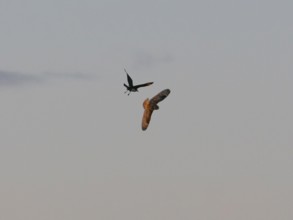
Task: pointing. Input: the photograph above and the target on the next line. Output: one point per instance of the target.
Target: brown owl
(151, 105)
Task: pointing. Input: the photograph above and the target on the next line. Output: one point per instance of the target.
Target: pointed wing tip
(166, 92)
(125, 71)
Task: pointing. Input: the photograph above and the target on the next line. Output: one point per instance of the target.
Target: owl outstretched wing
(160, 97)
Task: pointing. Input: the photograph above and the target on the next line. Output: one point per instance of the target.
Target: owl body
(147, 104)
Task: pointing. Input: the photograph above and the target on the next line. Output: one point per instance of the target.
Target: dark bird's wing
(146, 118)
(130, 83)
(160, 97)
(143, 85)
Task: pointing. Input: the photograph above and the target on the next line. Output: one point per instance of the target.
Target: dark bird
(131, 87)
(151, 105)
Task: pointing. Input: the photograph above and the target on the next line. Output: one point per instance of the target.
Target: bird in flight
(151, 105)
(133, 88)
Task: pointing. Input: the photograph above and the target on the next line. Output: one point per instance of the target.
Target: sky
(219, 147)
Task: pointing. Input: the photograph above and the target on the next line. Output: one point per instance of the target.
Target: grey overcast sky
(220, 147)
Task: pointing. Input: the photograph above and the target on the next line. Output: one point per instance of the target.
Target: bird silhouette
(151, 105)
(133, 88)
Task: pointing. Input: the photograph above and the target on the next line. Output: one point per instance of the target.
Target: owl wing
(160, 96)
(146, 118)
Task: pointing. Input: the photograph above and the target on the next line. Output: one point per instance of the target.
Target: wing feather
(160, 96)
(130, 82)
(143, 85)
